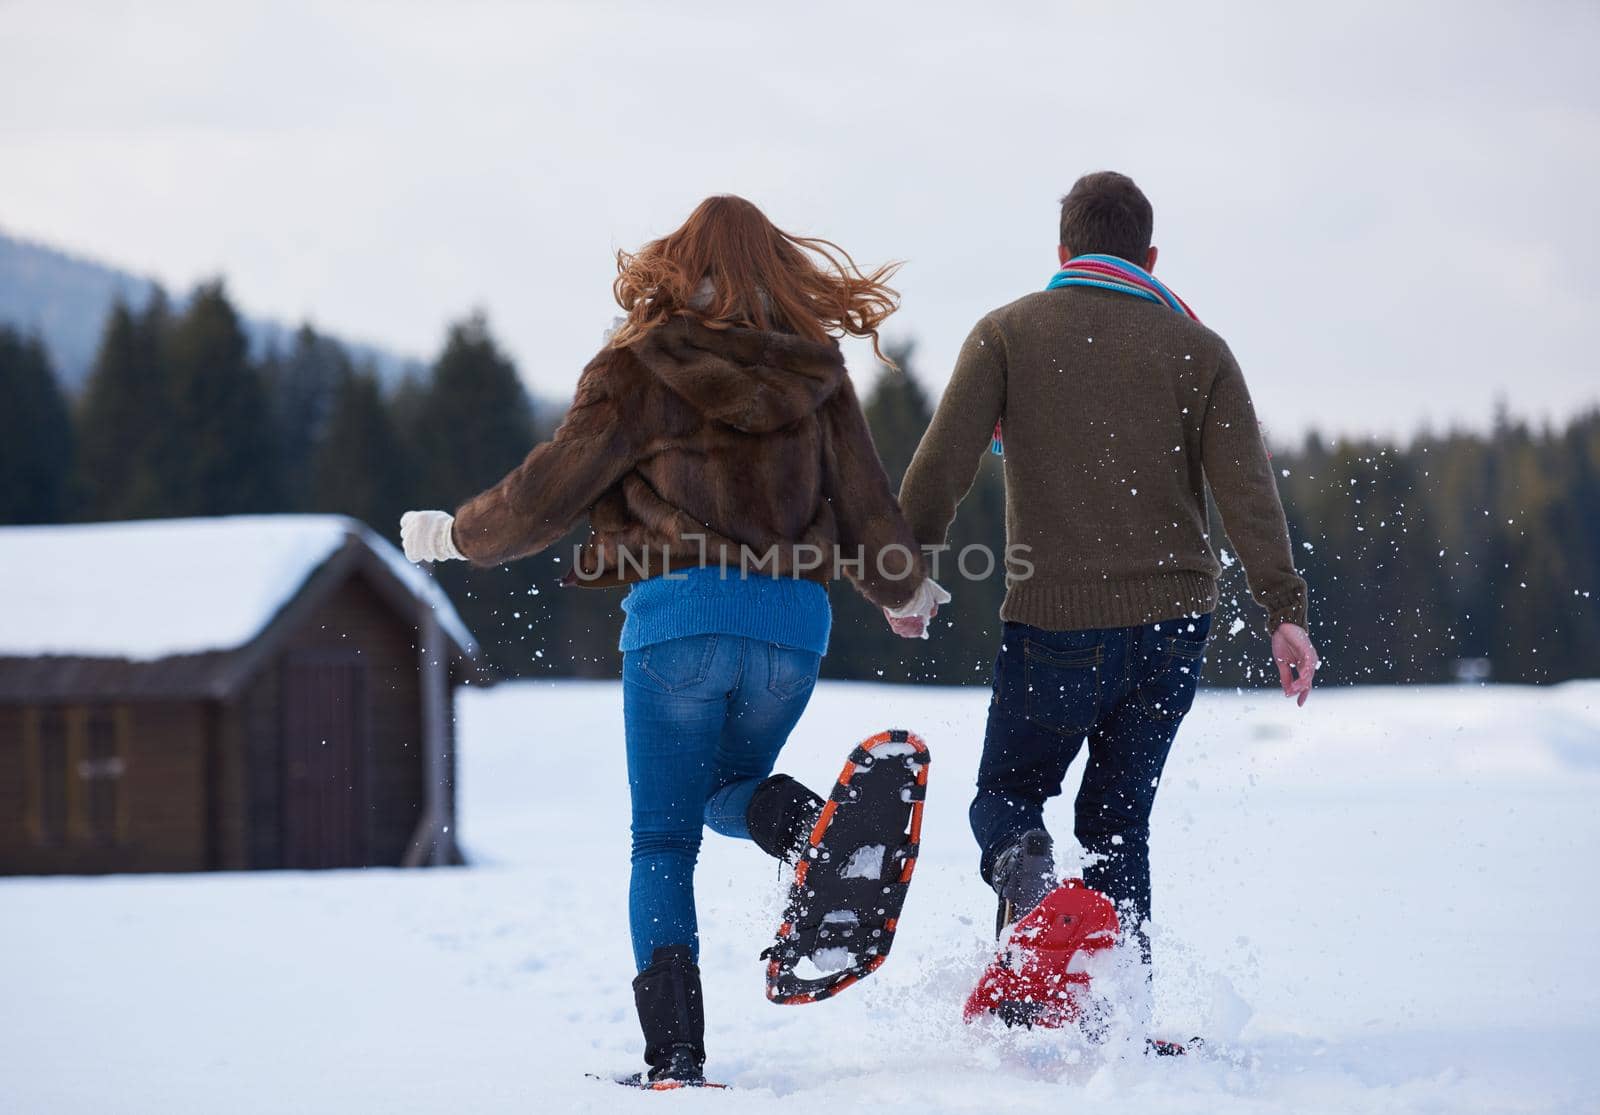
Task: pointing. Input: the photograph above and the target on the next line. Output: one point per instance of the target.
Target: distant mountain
(64, 299)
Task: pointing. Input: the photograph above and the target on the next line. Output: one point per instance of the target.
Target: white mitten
(923, 604)
(425, 536)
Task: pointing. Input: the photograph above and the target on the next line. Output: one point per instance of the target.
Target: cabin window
(100, 771)
(75, 792)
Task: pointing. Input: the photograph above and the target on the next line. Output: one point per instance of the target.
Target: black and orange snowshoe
(852, 874)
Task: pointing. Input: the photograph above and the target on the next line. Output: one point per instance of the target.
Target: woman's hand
(910, 620)
(425, 536)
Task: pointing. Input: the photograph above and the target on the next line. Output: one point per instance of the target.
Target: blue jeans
(705, 717)
(1125, 690)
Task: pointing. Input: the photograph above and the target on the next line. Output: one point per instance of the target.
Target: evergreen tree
(1573, 523)
(219, 455)
(306, 384)
(1541, 561)
(970, 624)
(465, 428)
(474, 422)
(36, 437)
(966, 632)
(123, 415)
(897, 411)
(359, 466)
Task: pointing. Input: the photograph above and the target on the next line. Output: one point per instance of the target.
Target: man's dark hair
(1105, 212)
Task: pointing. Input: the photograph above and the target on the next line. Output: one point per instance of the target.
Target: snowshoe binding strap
(853, 873)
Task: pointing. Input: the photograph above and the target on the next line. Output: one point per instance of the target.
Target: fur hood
(753, 381)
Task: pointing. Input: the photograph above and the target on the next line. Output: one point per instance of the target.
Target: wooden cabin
(218, 694)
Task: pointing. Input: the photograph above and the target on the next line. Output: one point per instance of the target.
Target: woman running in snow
(718, 449)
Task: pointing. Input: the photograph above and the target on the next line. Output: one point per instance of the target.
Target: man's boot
(1023, 873)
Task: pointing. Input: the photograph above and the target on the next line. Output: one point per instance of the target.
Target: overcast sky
(1388, 209)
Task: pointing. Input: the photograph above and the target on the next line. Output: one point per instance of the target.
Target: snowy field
(1383, 902)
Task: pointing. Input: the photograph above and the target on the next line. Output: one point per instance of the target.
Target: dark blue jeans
(705, 717)
(1123, 689)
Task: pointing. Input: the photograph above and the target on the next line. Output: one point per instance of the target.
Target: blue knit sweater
(783, 610)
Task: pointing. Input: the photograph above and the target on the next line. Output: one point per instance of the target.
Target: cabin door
(324, 749)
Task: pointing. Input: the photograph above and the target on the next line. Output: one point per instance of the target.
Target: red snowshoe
(1039, 978)
(851, 877)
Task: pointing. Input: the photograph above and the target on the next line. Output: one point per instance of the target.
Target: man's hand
(909, 627)
(1297, 660)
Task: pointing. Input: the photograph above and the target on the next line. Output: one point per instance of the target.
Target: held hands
(425, 536)
(1297, 661)
(910, 620)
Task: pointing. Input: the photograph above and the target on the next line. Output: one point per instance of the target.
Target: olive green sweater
(1117, 412)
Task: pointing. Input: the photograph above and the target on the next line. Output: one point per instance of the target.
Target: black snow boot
(781, 816)
(1023, 873)
(673, 1018)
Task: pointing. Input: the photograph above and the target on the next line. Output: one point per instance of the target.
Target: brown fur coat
(697, 447)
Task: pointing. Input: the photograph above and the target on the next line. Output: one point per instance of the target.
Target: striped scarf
(1108, 273)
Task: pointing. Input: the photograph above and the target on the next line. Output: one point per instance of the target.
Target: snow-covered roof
(148, 590)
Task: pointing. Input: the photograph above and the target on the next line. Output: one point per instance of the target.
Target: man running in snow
(1115, 408)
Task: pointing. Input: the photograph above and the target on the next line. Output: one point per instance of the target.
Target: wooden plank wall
(355, 619)
(15, 835)
(160, 795)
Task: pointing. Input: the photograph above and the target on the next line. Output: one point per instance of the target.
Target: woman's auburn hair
(729, 266)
